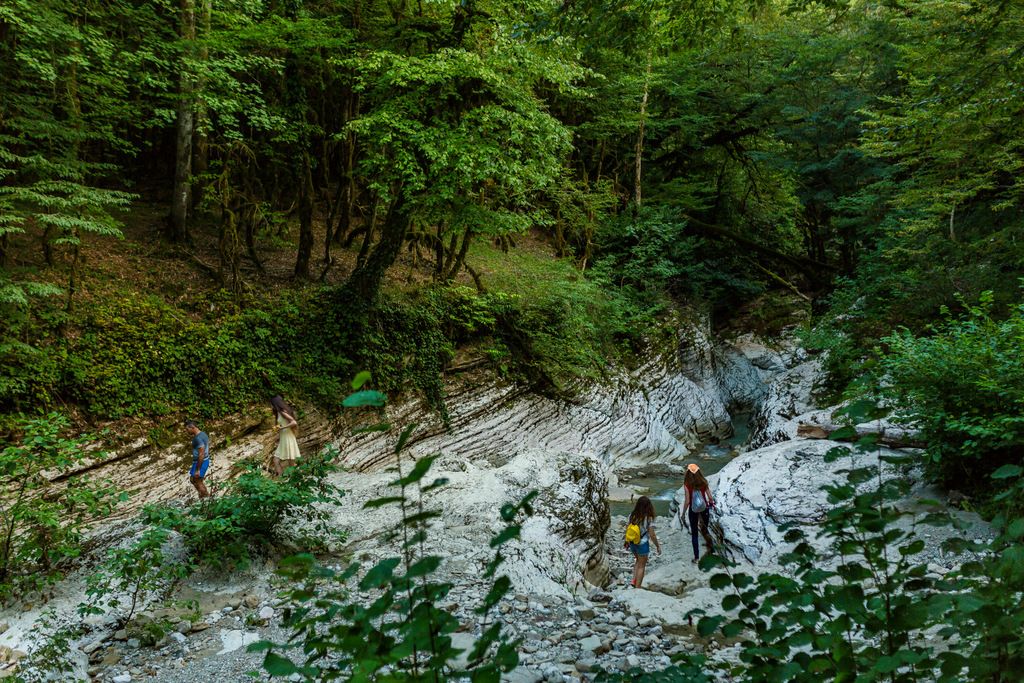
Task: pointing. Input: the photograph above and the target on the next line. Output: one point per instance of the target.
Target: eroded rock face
(653, 414)
(787, 396)
(578, 510)
(560, 544)
(780, 484)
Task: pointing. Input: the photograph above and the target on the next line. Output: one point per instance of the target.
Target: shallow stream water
(660, 485)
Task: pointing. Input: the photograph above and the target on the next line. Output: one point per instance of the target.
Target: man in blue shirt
(200, 458)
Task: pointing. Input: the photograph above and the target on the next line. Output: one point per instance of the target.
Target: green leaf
(720, 581)
(506, 535)
(362, 399)
(733, 629)
(427, 565)
(276, 665)
(419, 471)
(404, 437)
(380, 502)
(1008, 472)
(707, 625)
(1016, 529)
(380, 573)
(843, 433)
(360, 379)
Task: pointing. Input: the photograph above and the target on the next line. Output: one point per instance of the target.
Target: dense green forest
(205, 201)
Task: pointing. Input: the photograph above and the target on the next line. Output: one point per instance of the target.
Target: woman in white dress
(287, 445)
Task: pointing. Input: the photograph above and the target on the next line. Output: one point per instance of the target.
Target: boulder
(560, 546)
(235, 639)
(780, 484)
(788, 395)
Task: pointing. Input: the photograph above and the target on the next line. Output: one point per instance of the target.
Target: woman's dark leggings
(704, 519)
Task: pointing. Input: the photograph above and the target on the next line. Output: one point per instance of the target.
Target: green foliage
(870, 609)
(989, 620)
(140, 357)
(935, 218)
(963, 386)
(17, 357)
(61, 95)
(403, 634)
(49, 659)
(478, 161)
(44, 518)
(245, 515)
(653, 255)
(132, 573)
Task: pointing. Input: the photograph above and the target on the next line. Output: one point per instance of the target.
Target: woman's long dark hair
(643, 512)
(279, 406)
(695, 481)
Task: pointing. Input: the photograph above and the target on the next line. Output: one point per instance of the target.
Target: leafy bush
(51, 657)
(141, 357)
(871, 610)
(224, 529)
(127, 356)
(137, 570)
(44, 519)
(402, 635)
(963, 386)
(20, 360)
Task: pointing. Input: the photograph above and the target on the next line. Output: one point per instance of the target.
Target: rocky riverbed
(570, 604)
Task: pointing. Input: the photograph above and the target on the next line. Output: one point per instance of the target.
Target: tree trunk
(76, 274)
(364, 283)
(306, 201)
(201, 161)
(185, 127)
(364, 249)
(450, 255)
(439, 252)
(638, 166)
(467, 236)
(329, 233)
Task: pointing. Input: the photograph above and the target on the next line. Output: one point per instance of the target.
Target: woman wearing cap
(698, 507)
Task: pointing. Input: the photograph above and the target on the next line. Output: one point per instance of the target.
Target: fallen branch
(888, 434)
(782, 281)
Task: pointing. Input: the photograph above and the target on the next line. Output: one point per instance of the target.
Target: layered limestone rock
(788, 395)
(656, 413)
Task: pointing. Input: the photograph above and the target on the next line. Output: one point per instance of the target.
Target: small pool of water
(661, 487)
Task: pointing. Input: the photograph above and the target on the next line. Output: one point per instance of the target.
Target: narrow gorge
(571, 604)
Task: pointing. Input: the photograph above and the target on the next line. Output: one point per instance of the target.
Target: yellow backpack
(633, 533)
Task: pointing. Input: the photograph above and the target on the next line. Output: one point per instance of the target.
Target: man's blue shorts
(202, 470)
(642, 549)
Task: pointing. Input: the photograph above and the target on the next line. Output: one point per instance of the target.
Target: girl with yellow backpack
(639, 534)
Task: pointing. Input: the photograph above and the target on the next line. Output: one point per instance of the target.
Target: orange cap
(693, 467)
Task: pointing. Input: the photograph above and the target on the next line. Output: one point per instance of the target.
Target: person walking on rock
(642, 517)
(698, 506)
(200, 458)
(287, 445)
